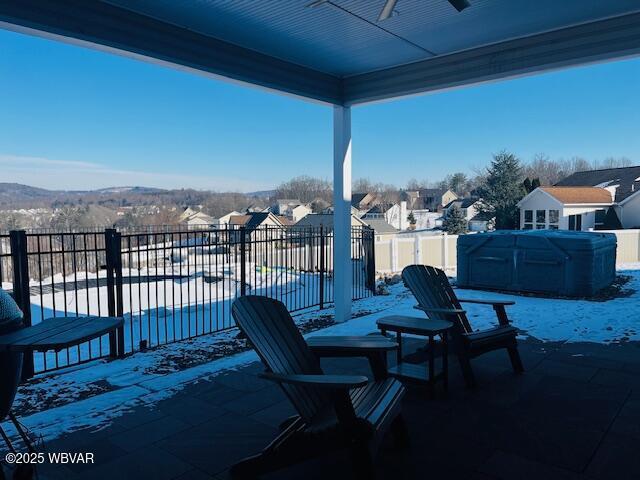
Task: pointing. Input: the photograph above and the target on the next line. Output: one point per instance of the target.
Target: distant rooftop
(579, 194)
(627, 179)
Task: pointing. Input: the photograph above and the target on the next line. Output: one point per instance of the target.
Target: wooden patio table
(55, 334)
(59, 332)
(423, 327)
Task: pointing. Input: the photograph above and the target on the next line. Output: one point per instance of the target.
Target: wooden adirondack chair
(334, 411)
(430, 286)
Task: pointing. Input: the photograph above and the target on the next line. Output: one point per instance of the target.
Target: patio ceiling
(337, 52)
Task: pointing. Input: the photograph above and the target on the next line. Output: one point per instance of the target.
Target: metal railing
(170, 285)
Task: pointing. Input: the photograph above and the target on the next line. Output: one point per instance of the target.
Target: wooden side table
(424, 373)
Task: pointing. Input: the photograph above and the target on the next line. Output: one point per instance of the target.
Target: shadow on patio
(575, 413)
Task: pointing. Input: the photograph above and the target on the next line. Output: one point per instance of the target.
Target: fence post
(113, 255)
(371, 261)
(243, 258)
(322, 267)
(445, 251)
(21, 293)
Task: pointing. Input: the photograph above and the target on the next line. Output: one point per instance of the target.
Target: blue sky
(74, 118)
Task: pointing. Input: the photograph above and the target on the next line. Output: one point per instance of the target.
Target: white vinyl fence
(394, 251)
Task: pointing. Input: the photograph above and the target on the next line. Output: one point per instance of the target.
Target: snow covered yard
(92, 395)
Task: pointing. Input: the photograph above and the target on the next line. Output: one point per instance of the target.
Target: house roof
(432, 192)
(463, 202)
(625, 177)
(253, 220)
(324, 220)
(571, 195)
(380, 225)
(288, 201)
(357, 198)
(380, 208)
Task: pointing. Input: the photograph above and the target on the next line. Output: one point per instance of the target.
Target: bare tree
(305, 188)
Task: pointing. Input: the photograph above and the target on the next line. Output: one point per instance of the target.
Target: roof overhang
(111, 28)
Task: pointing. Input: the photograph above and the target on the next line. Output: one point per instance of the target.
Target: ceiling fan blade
(459, 4)
(387, 10)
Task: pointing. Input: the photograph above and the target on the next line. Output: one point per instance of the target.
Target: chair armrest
(444, 311)
(487, 302)
(320, 381)
(326, 346)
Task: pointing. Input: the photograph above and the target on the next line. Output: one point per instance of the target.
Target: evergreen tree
(502, 189)
(411, 218)
(454, 222)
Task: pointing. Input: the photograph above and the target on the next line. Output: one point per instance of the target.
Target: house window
(528, 220)
(554, 219)
(599, 221)
(575, 222)
(541, 219)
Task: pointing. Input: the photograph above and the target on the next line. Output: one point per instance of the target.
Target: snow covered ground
(92, 395)
(197, 301)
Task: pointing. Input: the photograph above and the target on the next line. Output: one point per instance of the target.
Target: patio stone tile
(587, 405)
(150, 462)
(587, 359)
(551, 441)
(554, 443)
(507, 466)
(189, 409)
(49, 471)
(253, 402)
(194, 475)
(506, 389)
(628, 420)
(73, 441)
(138, 416)
(141, 437)
(613, 377)
(275, 414)
(215, 445)
(217, 394)
(616, 458)
(566, 370)
(242, 381)
(103, 451)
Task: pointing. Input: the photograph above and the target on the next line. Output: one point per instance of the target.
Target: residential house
(199, 221)
(380, 225)
(196, 219)
(364, 201)
(431, 199)
(394, 214)
(325, 220)
(251, 222)
(623, 183)
(605, 199)
(188, 212)
(569, 208)
(290, 208)
(476, 220)
(224, 220)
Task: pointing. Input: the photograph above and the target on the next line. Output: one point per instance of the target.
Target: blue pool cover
(558, 262)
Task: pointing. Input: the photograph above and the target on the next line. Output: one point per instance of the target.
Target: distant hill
(262, 194)
(15, 196)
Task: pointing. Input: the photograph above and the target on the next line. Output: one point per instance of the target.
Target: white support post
(342, 212)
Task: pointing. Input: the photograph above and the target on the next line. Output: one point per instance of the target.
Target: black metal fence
(170, 285)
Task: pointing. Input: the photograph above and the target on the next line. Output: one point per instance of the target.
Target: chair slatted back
(431, 288)
(273, 334)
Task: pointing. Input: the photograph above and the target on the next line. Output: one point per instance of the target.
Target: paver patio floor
(574, 414)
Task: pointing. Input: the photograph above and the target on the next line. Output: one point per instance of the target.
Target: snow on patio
(92, 395)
